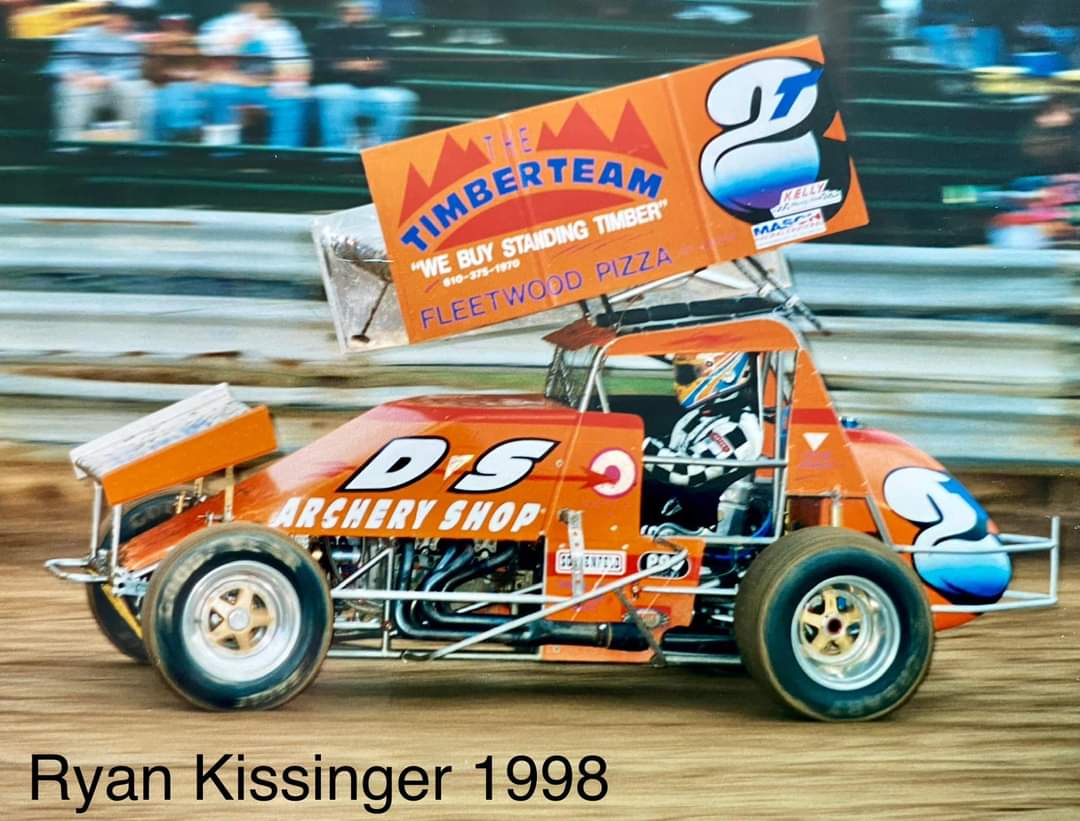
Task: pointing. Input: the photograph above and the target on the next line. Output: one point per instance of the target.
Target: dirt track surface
(995, 729)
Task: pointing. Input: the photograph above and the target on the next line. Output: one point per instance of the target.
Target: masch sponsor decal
(508, 216)
(788, 229)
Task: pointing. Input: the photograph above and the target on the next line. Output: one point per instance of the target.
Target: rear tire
(238, 617)
(834, 625)
(113, 624)
(147, 514)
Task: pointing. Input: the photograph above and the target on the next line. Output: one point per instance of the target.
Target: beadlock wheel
(845, 632)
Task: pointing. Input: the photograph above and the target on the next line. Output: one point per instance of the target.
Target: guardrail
(973, 354)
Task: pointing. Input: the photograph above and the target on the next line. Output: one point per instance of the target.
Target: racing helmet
(707, 377)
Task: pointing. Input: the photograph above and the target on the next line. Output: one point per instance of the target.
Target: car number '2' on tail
(949, 517)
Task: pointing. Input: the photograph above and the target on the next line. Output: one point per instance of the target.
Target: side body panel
(356, 481)
(453, 467)
(833, 471)
(505, 467)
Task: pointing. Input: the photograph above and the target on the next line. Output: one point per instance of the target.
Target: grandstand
(913, 128)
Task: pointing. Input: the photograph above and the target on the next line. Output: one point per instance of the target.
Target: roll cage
(581, 386)
(777, 369)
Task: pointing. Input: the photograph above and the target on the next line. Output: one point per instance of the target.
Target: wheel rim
(845, 633)
(241, 621)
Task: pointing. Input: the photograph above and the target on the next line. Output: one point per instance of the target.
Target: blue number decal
(773, 114)
(949, 517)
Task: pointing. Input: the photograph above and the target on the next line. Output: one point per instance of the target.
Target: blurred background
(159, 166)
(961, 113)
(160, 160)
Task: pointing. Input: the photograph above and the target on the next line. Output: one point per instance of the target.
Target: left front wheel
(238, 617)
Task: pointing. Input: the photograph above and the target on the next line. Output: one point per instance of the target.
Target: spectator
(1046, 36)
(96, 67)
(1049, 143)
(959, 34)
(175, 67)
(258, 60)
(353, 76)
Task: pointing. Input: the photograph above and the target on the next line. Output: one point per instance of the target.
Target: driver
(718, 391)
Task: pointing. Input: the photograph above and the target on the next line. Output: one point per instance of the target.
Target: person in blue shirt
(100, 67)
(257, 59)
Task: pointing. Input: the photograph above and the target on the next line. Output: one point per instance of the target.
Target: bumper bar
(1011, 599)
(74, 570)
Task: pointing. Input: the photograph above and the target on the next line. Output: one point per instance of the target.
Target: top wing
(505, 219)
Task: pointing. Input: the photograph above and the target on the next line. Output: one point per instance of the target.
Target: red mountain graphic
(579, 132)
(454, 163)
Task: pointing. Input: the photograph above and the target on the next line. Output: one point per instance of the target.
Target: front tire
(238, 617)
(834, 625)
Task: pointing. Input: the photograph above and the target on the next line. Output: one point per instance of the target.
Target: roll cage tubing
(765, 336)
(774, 335)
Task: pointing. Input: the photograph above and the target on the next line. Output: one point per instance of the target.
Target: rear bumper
(1011, 599)
(75, 570)
(101, 564)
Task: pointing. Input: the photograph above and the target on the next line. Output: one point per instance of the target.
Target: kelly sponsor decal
(805, 197)
(550, 205)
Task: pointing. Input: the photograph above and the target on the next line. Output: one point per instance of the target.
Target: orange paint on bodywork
(233, 442)
(737, 335)
(827, 462)
(879, 453)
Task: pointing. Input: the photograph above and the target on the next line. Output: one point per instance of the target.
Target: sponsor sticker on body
(508, 216)
(593, 562)
(788, 229)
(466, 504)
(656, 558)
(805, 197)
